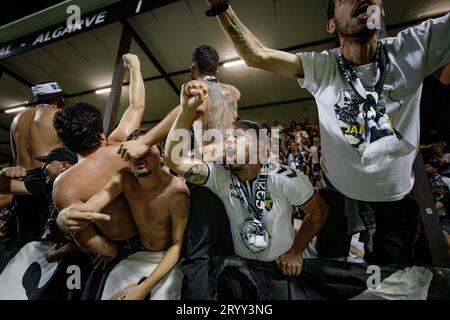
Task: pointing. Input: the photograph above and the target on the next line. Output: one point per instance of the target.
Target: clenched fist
(290, 263)
(131, 61)
(193, 95)
(14, 172)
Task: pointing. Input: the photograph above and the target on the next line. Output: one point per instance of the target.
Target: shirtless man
(32, 134)
(80, 127)
(159, 204)
(218, 111)
(208, 226)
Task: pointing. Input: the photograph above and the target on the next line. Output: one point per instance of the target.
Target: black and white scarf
(377, 123)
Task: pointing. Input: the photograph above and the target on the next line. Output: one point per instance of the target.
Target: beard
(236, 167)
(362, 32)
(140, 173)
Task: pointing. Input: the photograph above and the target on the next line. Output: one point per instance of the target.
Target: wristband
(218, 8)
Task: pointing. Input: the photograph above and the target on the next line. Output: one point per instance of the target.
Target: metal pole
(112, 106)
(432, 229)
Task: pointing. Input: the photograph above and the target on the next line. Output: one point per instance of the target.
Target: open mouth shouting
(361, 10)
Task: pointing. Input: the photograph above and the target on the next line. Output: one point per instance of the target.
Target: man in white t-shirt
(258, 198)
(368, 93)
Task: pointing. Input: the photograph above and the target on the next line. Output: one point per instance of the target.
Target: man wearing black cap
(51, 242)
(15, 180)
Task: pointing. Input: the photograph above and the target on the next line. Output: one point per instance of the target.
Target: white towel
(139, 265)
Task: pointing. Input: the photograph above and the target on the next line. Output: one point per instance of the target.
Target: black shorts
(397, 225)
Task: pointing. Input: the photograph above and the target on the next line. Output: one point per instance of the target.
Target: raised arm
(251, 50)
(179, 212)
(131, 119)
(193, 95)
(12, 139)
(134, 149)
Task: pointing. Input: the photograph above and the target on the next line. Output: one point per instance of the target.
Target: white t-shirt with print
(413, 54)
(285, 189)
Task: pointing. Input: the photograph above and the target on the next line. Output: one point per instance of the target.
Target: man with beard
(380, 80)
(159, 204)
(258, 196)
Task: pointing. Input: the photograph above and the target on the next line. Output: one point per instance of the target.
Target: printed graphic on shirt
(350, 116)
(350, 119)
(288, 172)
(256, 239)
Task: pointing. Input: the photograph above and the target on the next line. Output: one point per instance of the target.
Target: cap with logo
(45, 91)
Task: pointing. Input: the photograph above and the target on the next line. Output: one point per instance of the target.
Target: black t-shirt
(31, 211)
(43, 190)
(38, 187)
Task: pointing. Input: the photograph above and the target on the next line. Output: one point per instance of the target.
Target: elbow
(257, 58)
(254, 61)
(138, 106)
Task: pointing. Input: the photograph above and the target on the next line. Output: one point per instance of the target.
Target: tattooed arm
(192, 97)
(253, 52)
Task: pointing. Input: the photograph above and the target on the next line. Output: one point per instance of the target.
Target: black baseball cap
(60, 154)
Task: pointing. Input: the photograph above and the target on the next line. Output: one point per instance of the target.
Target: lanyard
(373, 104)
(256, 207)
(210, 79)
(355, 82)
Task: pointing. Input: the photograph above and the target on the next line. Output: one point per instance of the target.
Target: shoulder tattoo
(197, 174)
